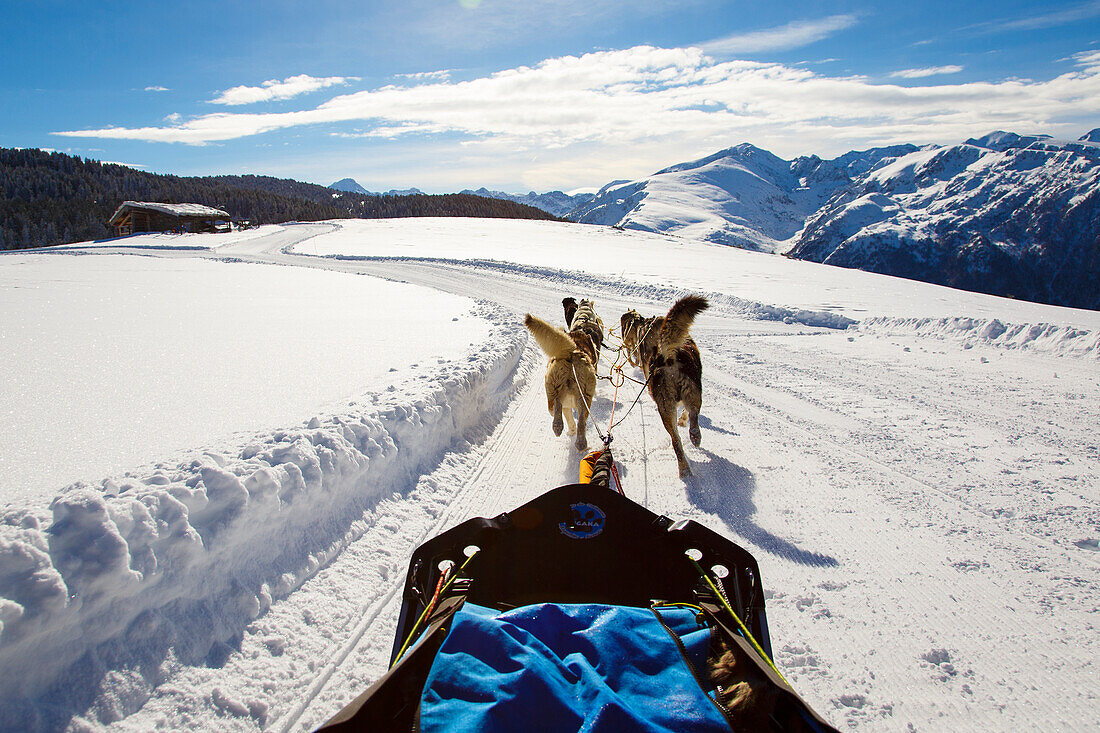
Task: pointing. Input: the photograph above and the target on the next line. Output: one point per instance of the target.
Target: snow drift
(173, 564)
(1041, 337)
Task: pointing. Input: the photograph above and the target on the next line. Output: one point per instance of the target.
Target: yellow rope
(416, 626)
(744, 629)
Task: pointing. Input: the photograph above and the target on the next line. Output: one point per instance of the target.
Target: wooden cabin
(139, 216)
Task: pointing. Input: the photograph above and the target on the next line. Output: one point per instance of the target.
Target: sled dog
(635, 329)
(669, 359)
(570, 375)
(582, 316)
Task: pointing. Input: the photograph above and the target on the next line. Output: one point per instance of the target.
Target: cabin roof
(181, 210)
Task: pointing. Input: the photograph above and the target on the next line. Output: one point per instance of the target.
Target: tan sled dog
(582, 316)
(570, 375)
(670, 361)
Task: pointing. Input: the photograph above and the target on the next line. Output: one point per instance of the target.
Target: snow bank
(108, 356)
(118, 582)
(1042, 337)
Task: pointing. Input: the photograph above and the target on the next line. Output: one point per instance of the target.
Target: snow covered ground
(915, 468)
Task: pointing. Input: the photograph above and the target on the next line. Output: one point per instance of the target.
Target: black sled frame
(574, 544)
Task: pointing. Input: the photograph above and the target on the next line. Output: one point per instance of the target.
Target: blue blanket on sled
(566, 667)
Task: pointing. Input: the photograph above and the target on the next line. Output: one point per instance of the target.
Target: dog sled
(581, 610)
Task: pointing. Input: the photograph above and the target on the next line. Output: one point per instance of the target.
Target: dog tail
(555, 342)
(677, 325)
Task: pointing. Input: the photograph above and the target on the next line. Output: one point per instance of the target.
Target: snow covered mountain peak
(349, 185)
(743, 196)
(1003, 213)
(1001, 140)
(746, 155)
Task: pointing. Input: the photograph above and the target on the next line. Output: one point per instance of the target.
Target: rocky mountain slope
(1002, 214)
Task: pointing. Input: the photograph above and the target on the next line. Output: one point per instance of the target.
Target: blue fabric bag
(570, 667)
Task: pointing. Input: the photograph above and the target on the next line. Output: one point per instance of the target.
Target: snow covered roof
(170, 209)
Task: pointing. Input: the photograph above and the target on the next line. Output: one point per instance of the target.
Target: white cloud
(157, 89)
(174, 117)
(1087, 59)
(274, 89)
(927, 71)
(610, 105)
(782, 38)
(1053, 19)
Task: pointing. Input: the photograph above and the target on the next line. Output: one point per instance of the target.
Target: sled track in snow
(491, 462)
(730, 389)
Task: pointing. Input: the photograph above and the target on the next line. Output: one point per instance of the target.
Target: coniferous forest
(54, 198)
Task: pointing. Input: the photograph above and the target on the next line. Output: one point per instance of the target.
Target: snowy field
(220, 453)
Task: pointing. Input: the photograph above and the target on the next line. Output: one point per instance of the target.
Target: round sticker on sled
(586, 521)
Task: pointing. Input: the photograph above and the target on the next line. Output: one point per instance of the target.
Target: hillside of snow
(236, 441)
(1001, 214)
(742, 196)
(1004, 214)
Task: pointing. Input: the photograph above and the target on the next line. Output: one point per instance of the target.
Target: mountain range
(557, 203)
(350, 185)
(1003, 214)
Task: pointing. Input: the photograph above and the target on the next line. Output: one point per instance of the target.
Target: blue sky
(555, 94)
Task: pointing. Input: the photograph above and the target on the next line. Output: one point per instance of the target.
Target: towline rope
(616, 368)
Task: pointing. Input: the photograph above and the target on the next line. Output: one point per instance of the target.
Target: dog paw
(582, 443)
(557, 425)
(696, 436)
(685, 471)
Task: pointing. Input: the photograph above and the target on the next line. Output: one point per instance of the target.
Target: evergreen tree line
(54, 198)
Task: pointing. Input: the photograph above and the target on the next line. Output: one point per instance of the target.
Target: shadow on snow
(725, 489)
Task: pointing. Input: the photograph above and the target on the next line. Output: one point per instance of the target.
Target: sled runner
(581, 610)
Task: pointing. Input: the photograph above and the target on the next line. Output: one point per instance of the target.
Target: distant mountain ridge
(350, 185)
(1005, 214)
(557, 203)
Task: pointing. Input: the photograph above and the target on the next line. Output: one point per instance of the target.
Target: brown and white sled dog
(570, 375)
(582, 316)
(670, 361)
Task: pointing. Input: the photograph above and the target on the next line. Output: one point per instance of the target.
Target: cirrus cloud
(927, 71)
(782, 38)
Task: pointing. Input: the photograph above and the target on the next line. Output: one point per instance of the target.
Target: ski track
(832, 445)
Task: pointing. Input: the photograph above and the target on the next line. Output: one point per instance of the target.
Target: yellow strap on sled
(588, 465)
